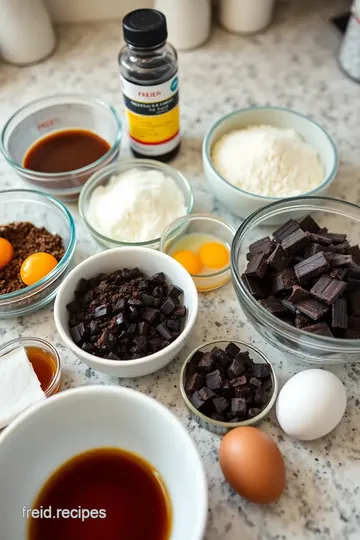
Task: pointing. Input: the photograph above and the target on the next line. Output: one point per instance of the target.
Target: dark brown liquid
(118, 482)
(44, 365)
(65, 151)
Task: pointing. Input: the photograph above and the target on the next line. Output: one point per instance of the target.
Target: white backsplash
(93, 10)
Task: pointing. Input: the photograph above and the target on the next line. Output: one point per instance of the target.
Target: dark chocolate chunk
(328, 289)
(147, 299)
(225, 389)
(102, 311)
(87, 347)
(339, 314)
(321, 329)
(235, 369)
(221, 404)
(352, 285)
(244, 392)
(78, 333)
(179, 312)
(94, 328)
(168, 307)
(206, 363)
(218, 417)
(261, 371)
(206, 393)
(318, 239)
(288, 305)
(311, 267)
(268, 384)
(150, 314)
(337, 259)
(194, 382)
(197, 400)
(253, 381)
(119, 305)
(261, 397)
(73, 307)
(354, 302)
(120, 321)
(264, 245)
(298, 294)
(274, 306)
(354, 323)
(295, 242)
(286, 229)
(239, 381)
(112, 356)
(283, 281)
(336, 238)
(164, 331)
(255, 288)
(133, 313)
(244, 359)
(340, 273)
(174, 324)
(257, 266)
(238, 407)
(158, 292)
(221, 356)
(158, 279)
(354, 251)
(312, 308)
(232, 350)
(352, 334)
(155, 344)
(301, 320)
(134, 302)
(279, 259)
(214, 380)
(341, 248)
(253, 411)
(143, 328)
(308, 224)
(140, 344)
(174, 292)
(132, 329)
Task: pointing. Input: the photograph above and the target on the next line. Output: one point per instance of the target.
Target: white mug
(245, 16)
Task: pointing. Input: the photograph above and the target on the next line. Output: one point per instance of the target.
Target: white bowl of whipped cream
(255, 156)
(132, 202)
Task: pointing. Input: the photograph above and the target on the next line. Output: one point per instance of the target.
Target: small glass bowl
(203, 224)
(43, 211)
(57, 113)
(337, 216)
(102, 178)
(215, 425)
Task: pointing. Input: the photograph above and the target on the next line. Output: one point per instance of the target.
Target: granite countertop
(294, 65)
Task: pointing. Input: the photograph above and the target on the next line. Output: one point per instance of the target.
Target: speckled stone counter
(293, 64)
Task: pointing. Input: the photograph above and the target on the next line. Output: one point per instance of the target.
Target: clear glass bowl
(56, 113)
(43, 211)
(223, 427)
(338, 216)
(203, 224)
(102, 178)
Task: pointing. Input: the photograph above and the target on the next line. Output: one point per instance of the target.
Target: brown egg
(252, 464)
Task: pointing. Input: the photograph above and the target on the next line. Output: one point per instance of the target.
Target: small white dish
(242, 203)
(53, 431)
(150, 262)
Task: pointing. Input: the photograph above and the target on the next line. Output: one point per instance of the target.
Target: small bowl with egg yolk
(201, 243)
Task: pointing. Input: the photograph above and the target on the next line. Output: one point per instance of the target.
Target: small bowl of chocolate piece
(228, 384)
(299, 283)
(127, 311)
(37, 244)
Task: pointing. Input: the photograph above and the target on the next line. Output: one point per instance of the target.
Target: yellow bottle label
(153, 116)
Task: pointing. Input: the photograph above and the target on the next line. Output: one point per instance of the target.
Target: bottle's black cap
(145, 28)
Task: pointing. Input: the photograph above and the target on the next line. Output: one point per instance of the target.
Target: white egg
(311, 404)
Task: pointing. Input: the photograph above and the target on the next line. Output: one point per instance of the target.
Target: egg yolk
(214, 255)
(36, 266)
(189, 261)
(6, 252)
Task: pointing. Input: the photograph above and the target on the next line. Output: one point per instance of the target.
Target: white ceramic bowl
(50, 433)
(148, 261)
(242, 203)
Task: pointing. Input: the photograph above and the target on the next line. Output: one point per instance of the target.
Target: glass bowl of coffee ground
(313, 278)
(228, 384)
(56, 143)
(33, 222)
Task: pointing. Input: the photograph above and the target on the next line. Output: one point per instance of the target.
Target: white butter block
(19, 386)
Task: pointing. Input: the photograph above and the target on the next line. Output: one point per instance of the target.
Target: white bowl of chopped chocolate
(126, 311)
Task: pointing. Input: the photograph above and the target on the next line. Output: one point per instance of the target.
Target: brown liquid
(44, 365)
(124, 485)
(65, 151)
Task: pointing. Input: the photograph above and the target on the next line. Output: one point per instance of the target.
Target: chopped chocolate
(255, 382)
(235, 369)
(257, 266)
(308, 224)
(337, 259)
(214, 380)
(78, 333)
(341, 248)
(73, 307)
(164, 331)
(335, 238)
(255, 288)
(354, 323)
(318, 239)
(221, 404)
(312, 267)
(312, 308)
(340, 273)
(197, 400)
(286, 229)
(298, 294)
(174, 292)
(321, 329)
(279, 259)
(288, 305)
(264, 245)
(206, 363)
(352, 285)
(295, 242)
(221, 356)
(261, 371)
(354, 251)
(218, 417)
(245, 392)
(253, 411)
(238, 381)
(168, 307)
(158, 279)
(150, 315)
(206, 393)
(283, 281)
(328, 289)
(261, 397)
(352, 334)
(339, 314)
(354, 302)
(301, 320)
(179, 312)
(274, 305)
(238, 407)
(232, 350)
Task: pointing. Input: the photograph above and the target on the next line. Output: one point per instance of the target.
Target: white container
(245, 16)
(188, 21)
(243, 203)
(74, 421)
(26, 33)
(149, 262)
(349, 56)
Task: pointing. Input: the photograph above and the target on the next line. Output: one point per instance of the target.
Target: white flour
(136, 206)
(268, 161)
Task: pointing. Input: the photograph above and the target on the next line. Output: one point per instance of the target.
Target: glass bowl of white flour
(259, 155)
(132, 202)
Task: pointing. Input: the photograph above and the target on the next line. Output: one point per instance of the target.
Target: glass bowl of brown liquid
(56, 143)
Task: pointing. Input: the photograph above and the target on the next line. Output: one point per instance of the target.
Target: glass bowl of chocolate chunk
(228, 384)
(299, 283)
